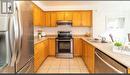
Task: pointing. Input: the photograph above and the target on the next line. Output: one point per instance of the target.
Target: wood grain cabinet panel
(76, 19)
(42, 18)
(77, 47)
(38, 16)
(52, 46)
(86, 18)
(35, 15)
(129, 71)
(88, 56)
(68, 16)
(47, 19)
(40, 53)
(60, 15)
(53, 19)
(83, 49)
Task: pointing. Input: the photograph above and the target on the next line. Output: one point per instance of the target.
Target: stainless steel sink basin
(96, 41)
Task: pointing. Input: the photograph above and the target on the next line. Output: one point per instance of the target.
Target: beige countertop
(107, 49)
(104, 47)
(37, 40)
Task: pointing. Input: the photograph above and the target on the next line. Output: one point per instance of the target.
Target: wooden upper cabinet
(60, 15)
(35, 15)
(53, 19)
(43, 18)
(47, 19)
(76, 19)
(68, 16)
(86, 18)
(38, 16)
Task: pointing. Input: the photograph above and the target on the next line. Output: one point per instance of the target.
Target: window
(115, 23)
(115, 27)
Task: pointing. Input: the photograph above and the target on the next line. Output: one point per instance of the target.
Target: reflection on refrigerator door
(16, 40)
(25, 24)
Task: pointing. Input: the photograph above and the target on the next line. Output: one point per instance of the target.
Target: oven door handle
(107, 63)
(63, 40)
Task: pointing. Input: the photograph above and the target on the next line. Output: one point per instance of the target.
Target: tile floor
(58, 65)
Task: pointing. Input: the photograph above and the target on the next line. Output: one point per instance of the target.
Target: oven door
(64, 46)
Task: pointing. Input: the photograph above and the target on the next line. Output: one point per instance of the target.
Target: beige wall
(53, 30)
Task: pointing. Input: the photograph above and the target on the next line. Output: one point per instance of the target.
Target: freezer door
(25, 19)
(7, 60)
(8, 45)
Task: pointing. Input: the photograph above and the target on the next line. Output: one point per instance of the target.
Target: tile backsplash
(53, 30)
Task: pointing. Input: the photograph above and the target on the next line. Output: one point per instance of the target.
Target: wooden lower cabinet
(77, 47)
(52, 46)
(129, 71)
(88, 56)
(83, 50)
(40, 53)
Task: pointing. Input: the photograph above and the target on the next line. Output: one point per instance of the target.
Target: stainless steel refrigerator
(16, 39)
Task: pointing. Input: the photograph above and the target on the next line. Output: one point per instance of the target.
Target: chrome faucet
(103, 40)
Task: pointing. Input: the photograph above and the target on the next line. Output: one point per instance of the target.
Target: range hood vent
(61, 22)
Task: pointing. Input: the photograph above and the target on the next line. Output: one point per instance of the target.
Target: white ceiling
(78, 5)
(65, 3)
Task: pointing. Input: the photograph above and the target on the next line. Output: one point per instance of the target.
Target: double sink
(94, 40)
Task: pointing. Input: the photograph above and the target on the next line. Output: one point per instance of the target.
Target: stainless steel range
(64, 44)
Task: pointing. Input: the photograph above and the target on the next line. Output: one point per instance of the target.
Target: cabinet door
(52, 46)
(77, 47)
(76, 19)
(46, 50)
(86, 18)
(89, 57)
(68, 16)
(42, 18)
(47, 19)
(37, 55)
(129, 71)
(83, 50)
(86, 53)
(40, 53)
(53, 19)
(60, 15)
(35, 15)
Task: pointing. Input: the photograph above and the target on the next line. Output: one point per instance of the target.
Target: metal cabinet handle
(107, 63)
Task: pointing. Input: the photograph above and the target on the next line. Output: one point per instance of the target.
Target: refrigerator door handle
(20, 34)
(12, 38)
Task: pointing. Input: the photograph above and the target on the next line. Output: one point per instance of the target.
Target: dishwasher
(106, 64)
